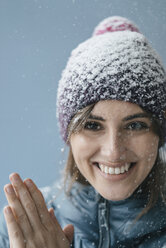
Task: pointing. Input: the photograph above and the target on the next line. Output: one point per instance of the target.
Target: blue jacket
(104, 224)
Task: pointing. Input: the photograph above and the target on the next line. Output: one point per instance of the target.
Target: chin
(116, 196)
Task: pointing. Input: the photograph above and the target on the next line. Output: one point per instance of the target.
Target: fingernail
(28, 183)
(9, 189)
(7, 210)
(14, 177)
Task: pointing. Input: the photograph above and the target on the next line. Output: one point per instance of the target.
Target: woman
(111, 109)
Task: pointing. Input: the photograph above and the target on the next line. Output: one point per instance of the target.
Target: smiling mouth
(115, 170)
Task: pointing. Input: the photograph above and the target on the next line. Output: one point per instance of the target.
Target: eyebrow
(96, 117)
(137, 115)
(127, 118)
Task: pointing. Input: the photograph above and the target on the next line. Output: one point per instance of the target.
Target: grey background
(36, 37)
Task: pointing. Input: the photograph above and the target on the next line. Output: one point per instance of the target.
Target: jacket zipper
(103, 217)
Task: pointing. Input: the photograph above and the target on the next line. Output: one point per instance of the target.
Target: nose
(113, 147)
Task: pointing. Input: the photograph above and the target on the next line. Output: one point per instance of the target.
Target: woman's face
(116, 149)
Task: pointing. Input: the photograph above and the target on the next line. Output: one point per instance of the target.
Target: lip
(113, 165)
(115, 177)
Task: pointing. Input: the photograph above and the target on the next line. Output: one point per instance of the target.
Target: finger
(69, 232)
(66, 234)
(53, 217)
(15, 234)
(51, 212)
(26, 201)
(39, 202)
(18, 210)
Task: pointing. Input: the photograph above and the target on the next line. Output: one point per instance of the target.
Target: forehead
(111, 109)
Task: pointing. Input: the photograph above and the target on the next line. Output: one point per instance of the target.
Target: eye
(137, 126)
(92, 125)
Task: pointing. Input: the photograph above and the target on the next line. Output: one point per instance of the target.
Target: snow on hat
(120, 64)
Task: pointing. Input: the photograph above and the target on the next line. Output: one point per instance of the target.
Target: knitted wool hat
(119, 64)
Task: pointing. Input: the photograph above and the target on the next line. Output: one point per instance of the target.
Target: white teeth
(111, 170)
(102, 168)
(122, 169)
(115, 170)
(106, 169)
(127, 166)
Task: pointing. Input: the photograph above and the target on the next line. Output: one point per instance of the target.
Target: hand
(30, 224)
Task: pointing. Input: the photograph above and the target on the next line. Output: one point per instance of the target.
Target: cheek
(82, 147)
(147, 148)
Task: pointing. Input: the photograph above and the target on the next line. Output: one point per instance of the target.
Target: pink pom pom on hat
(114, 24)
